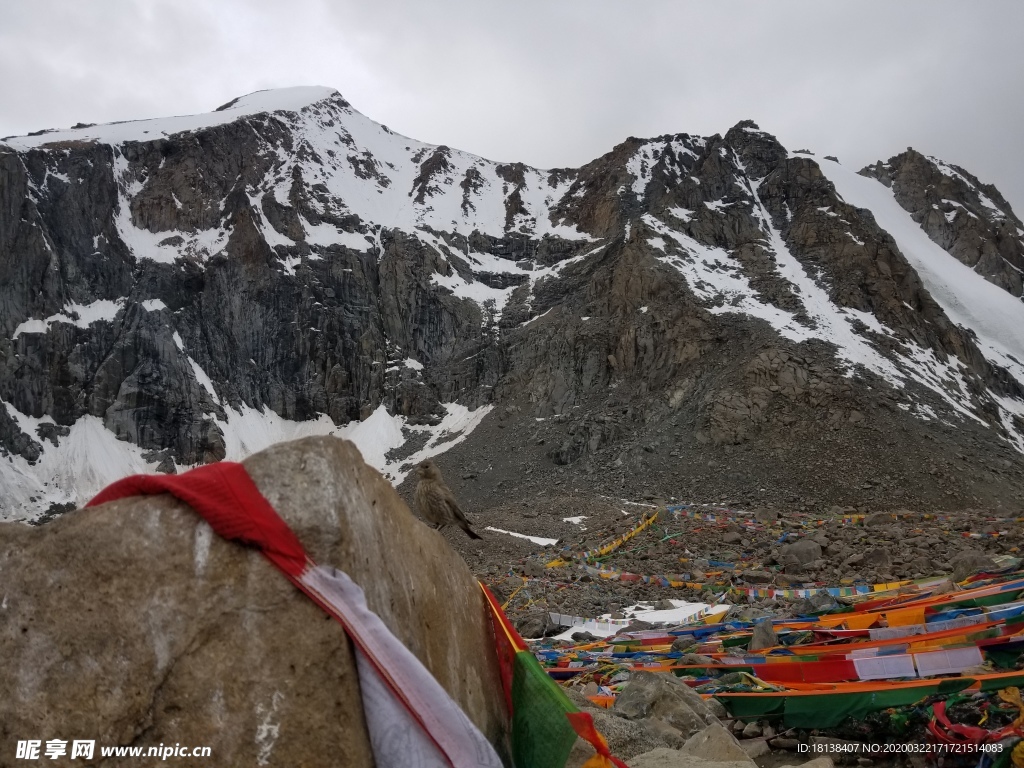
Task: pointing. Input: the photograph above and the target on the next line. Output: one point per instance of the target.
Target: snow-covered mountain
(186, 289)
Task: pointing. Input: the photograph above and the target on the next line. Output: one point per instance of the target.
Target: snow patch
(639, 166)
(375, 436)
(328, 234)
(85, 461)
(538, 317)
(717, 205)
(248, 430)
(456, 425)
(79, 315)
(535, 539)
(204, 380)
(475, 291)
(260, 102)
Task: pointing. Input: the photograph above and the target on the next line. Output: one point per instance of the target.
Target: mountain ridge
(199, 293)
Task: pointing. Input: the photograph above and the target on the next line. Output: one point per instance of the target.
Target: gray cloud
(551, 84)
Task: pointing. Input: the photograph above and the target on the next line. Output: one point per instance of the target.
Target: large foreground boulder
(133, 624)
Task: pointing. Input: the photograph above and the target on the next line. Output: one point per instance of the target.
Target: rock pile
(660, 722)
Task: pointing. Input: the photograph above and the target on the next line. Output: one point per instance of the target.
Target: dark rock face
(968, 219)
(677, 297)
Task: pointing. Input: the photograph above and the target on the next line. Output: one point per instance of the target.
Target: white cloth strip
(881, 667)
(947, 662)
(862, 653)
(395, 737)
(887, 633)
(405, 677)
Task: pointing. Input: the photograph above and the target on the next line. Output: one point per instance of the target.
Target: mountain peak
(280, 99)
(272, 100)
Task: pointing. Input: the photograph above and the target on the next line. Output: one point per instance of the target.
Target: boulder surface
(133, 623)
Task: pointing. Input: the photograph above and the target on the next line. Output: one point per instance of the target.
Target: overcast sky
(550, 82)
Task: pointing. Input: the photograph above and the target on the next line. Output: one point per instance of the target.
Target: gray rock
(766, 516)
(800, 553)
(626, 738)
(717, 708)
(716, 744)
(648, 694)
(534, 624)
(878, 557)
(763, 636)
(533, 569)
(755, 747)
(696, 659)
(681, 643)
(969, 562)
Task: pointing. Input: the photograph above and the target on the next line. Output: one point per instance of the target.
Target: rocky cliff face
(712, 315)
(968, 219)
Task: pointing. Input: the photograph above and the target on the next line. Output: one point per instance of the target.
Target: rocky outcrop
(968, 219)
(133, 624)
(650, 695)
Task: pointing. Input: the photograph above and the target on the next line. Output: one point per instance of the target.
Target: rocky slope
(685, 316)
